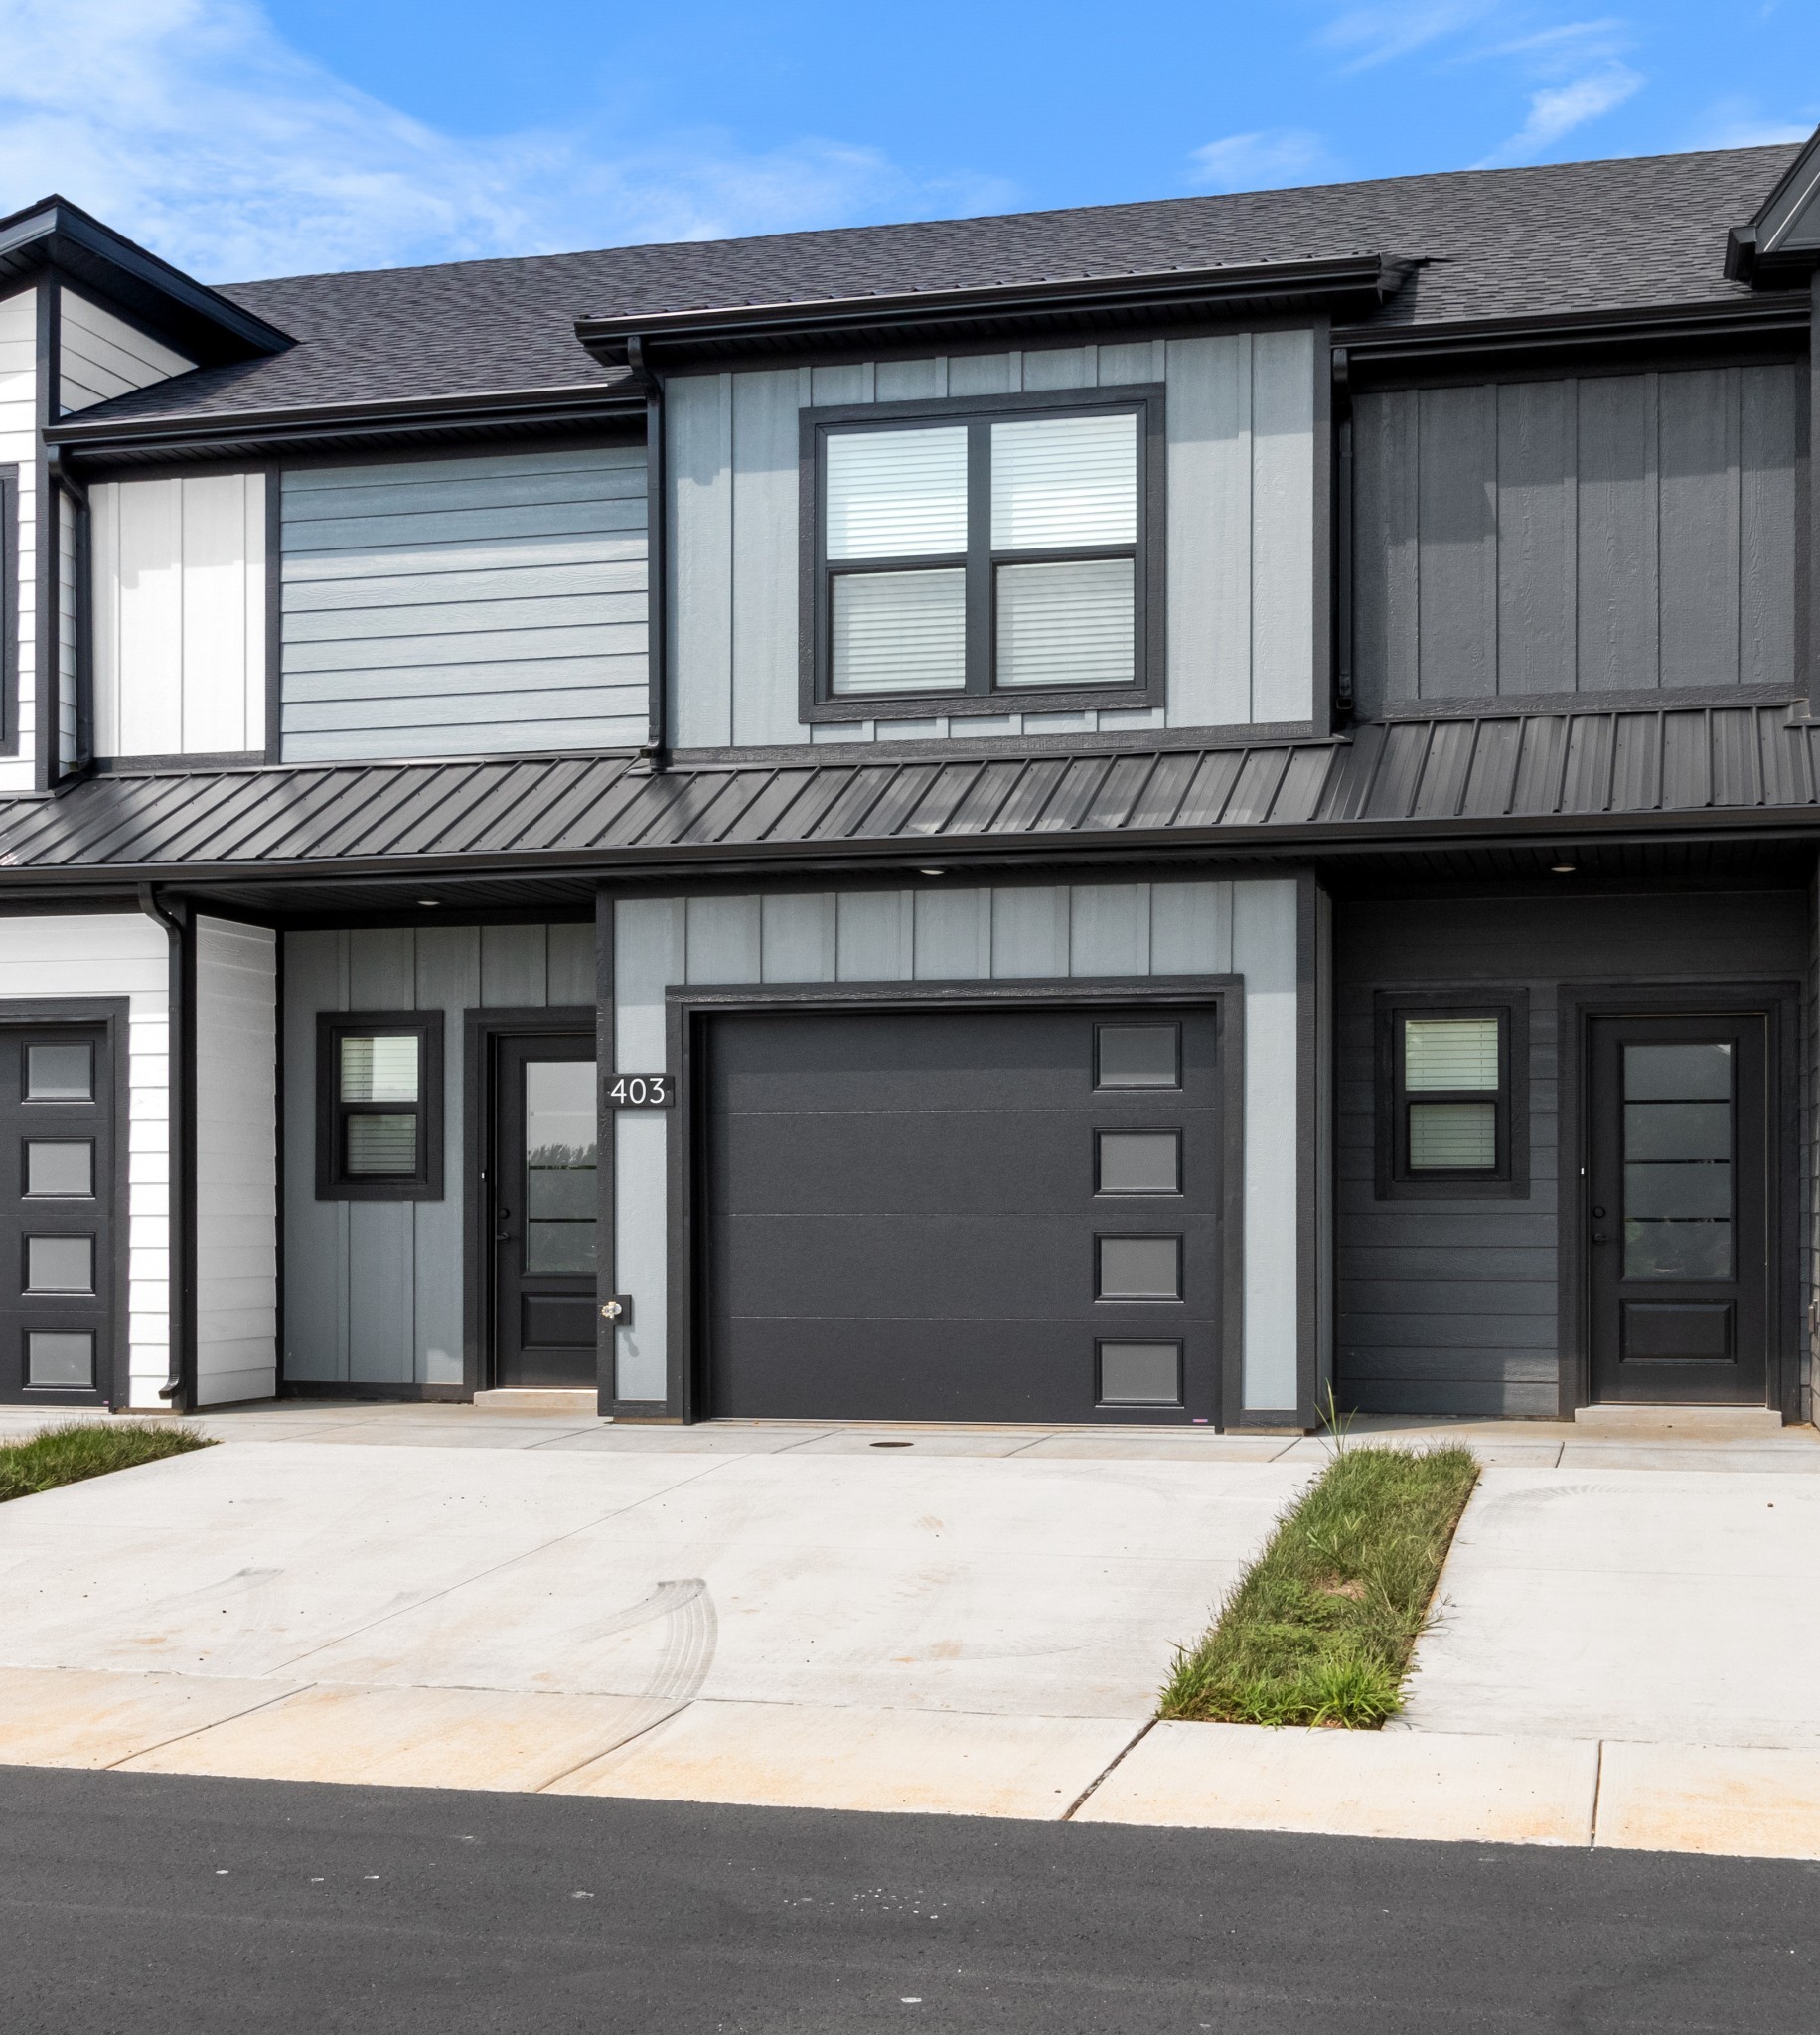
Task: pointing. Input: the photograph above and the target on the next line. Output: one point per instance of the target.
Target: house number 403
(639, 1092)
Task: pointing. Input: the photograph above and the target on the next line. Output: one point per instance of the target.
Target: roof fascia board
(1378, 346)
(664, 338)
(253, 433)
(201, 322)
(1760, 253)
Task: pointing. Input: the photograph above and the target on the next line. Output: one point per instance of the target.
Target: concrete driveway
(955, 1622)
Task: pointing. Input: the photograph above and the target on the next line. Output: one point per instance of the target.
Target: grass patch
(1321, 1627)
(81, 1448)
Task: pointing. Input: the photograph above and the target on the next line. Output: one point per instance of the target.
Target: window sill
(982, 706)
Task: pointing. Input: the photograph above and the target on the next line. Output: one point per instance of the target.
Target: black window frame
(332, 1182)
(980, 695)
(1509, 1179)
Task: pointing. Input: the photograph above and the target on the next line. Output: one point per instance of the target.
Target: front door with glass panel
(1678, 1209)
(544, 1210)
(56, 1209)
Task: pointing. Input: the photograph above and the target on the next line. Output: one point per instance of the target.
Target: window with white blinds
(984, 553)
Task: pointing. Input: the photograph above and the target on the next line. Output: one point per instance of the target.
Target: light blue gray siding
(1614, 533)
(1084, 930)
(465, 606)
(372, 1290)
(1240, 536)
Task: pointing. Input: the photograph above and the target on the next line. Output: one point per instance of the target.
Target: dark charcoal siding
(1449, 1307)
(1617, 532)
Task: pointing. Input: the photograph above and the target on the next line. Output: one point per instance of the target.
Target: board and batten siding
(178, 606)
(1240, 606)
(99, 356)
(1450, 1306)
(121, 954)
(236, 1161)
(372, 1290)
(444, 607)
(19, 448)
(1084, 930)
(1614, 532)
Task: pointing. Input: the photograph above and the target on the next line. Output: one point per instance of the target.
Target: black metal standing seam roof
(1556, 239)
(1480, 777)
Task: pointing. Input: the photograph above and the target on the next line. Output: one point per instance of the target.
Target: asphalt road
(144, 1904)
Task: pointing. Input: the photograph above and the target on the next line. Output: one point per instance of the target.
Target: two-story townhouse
(1119, 815)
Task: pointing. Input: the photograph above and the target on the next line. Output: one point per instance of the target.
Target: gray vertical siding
(1615, 533)
(465, 606)
(1449, 1307)
(374, 1289)
(1247, 928)
(1240, 532)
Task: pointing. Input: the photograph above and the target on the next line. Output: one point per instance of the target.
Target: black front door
(985, 1215)
(544, 1210)
(57, 1183)
(1679, 1209)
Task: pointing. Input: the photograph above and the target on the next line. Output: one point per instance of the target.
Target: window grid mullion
(979, 596)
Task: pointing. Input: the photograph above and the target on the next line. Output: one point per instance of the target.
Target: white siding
(178, 615)
(1239, 533)
(100, 356)
(19, 446)
(236, 1161)
(466, 606)
(1085, 930)
(120, 955)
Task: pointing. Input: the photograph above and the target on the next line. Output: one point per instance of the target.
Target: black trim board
(686, 1005)
(114, 1015)
(1780, 1004)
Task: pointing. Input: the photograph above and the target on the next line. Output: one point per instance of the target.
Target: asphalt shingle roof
(1642, 231)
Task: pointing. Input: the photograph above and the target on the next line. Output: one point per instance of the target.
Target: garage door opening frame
(688, 1007)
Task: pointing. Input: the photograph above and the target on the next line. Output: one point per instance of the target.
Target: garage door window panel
(984, 552)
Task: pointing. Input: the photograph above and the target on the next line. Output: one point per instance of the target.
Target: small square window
(1139, 1268)
(59, 1359)
(378, 1084)
(1141, 1375)
(60, 1264)
(62, 1167)
(59, 1073)
(1138, 1056)
(1139, 1163)
(1452, 1095)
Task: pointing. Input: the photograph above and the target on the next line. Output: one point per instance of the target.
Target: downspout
(653, 755)
(179, 1389)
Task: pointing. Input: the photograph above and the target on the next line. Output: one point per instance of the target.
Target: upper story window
(987, 559)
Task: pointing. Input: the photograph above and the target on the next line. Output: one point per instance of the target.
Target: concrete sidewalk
(962, 1618)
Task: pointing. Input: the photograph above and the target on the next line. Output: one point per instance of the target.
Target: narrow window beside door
(379, 1091)
(1451, 1097)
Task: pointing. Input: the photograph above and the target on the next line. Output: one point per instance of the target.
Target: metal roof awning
(1500, 776)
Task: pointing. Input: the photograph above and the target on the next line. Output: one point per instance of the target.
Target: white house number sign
(640, 1091)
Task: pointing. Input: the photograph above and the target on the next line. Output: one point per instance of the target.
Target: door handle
(502, 1226)
(1600, 1237)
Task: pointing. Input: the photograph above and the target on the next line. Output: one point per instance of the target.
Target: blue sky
(242, 139)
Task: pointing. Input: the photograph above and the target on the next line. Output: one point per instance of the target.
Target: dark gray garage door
(963, 1215)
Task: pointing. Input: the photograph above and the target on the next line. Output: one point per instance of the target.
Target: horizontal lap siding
(100, 356)
(1616, 533)
(1452, 1307)
(465, 606)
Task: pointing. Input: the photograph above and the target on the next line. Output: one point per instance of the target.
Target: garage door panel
(904, 1162)
(941, 1267)
(908, 1216)
(872, 1368)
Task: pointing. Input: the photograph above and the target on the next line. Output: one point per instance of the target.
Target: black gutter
(1371, 279)
(218, 434)
(1491, 339)
(180, 1388)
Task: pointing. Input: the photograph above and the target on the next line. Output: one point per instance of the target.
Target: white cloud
(1378, 35)
(1270, 157)
(1739, 123)
(1556, 110)
(194, 127)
